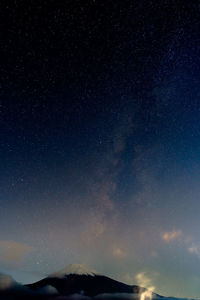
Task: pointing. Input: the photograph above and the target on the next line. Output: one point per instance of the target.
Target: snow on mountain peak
(77, 269)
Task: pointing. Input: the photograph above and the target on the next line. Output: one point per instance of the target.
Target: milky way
(100, 140)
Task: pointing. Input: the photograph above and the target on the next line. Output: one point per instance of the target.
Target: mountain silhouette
(80, 279)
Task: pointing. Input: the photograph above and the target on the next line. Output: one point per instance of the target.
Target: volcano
(81, 280)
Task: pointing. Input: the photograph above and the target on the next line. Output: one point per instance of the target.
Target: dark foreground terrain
(75, 282)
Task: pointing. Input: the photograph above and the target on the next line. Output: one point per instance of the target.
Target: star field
(99, 131)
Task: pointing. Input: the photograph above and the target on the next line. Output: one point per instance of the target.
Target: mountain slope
(79, 279)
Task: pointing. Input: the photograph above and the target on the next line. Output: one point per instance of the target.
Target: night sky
(100, 140)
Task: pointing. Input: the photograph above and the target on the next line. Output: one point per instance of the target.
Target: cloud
(13, 252)
(171, 235)
(119, 252)
(48, 290)
(194, 250)
(145, 281)
(11, 290)
(6, 281)
(116, 296)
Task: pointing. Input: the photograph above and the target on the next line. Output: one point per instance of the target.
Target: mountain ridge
(82, 280)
